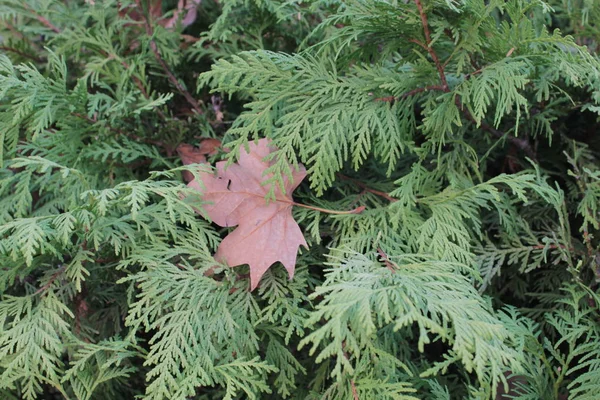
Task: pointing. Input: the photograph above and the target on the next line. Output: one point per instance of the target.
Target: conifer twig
(22, 54)
(352, 384)
(413, 92)
(521, 143)
(138, 82)
(153, 46)
(133, 136)
(386, 260)
(427, 45)
(354, 391)
(16, 32)
(42, 19)
(51, 280)
(367, 188)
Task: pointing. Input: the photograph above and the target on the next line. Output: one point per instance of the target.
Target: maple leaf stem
(357, 210)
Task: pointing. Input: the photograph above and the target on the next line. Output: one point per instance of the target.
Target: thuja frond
(527, 255)
(96, 364)
(361, 296)
(31, 346)
(282, 104)
(461, 133)
(581, 336)
(35, 99)
(571, 350)
(202, 323)
(588, 185)
(502, 84)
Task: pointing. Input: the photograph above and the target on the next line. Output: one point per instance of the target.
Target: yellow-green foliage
(466, 128)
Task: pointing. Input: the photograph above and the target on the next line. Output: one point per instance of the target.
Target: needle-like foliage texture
(451, 204)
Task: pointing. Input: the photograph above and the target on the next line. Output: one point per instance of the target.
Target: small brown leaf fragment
(190, 7)
(210, 146)
(266, 231)
(187, 8)
(190, 154)
(197, 155)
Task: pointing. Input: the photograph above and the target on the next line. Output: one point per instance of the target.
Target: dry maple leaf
(266, 231)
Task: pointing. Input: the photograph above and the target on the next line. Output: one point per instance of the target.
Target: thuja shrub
(406, 202)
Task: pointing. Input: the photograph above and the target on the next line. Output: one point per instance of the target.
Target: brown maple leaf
(266, 231)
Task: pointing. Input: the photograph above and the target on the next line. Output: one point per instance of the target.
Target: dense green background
(466, 128)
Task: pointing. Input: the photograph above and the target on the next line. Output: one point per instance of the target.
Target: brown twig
(427, 45)
(352, 384)
(471, 74)
(556, 247)
(354, 391)
(81, 308)
(521, 143)
(190, 99)
(357, 199)
(386, 99)
(51, 280)
(587, 239)
(47, 23)
(22, 54)
(172, 78)
(367, 188)
(552, 246)
(16, 32)
(386, 261)
(42, 19)
(138, 82)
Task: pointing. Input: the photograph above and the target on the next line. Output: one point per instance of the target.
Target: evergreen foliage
(465, 128)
